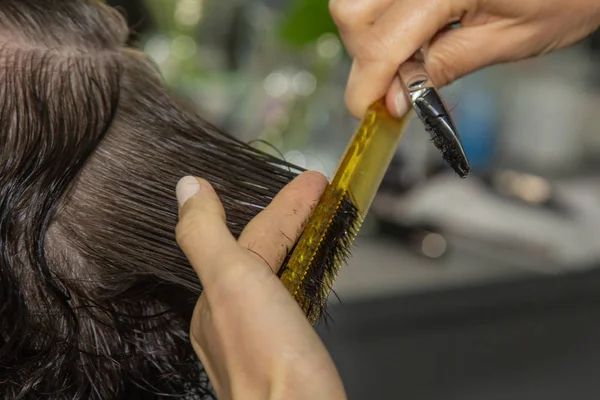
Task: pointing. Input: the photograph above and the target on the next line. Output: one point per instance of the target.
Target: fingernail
(402, 105)
(186, 188)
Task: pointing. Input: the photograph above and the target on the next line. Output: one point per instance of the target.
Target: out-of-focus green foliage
(162, 12)
(305, 21)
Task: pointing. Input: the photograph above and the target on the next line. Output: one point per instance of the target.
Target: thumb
(454, 54)
(202, 232)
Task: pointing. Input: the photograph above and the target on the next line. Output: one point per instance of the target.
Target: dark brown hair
(95, 296)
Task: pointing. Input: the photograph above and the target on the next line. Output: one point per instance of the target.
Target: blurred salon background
(484, 288)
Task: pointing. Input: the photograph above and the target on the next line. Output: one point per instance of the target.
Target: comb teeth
(332, 253)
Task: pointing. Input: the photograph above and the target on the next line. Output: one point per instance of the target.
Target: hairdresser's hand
(251, 336)
(382, 34)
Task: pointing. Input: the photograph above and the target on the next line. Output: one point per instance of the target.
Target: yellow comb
(324, 244)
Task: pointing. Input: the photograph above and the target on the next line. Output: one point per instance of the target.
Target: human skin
(250, 334)
(382, 34)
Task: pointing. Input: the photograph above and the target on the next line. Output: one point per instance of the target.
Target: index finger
(393, 39)
(273, 232)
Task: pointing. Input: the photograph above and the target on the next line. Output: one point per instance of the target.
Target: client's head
(95, 296)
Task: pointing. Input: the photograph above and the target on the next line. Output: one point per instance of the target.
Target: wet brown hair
(95, 296)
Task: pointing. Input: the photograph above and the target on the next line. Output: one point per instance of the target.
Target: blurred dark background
(487, 288)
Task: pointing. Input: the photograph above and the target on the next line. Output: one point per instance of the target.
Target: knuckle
(270, 238)
(274, 250)
(283, 241)
(371, 46)
(186, 231)
(443, 69)
(272, 243)
(344, 14)
(227, 286)
(228, 278)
